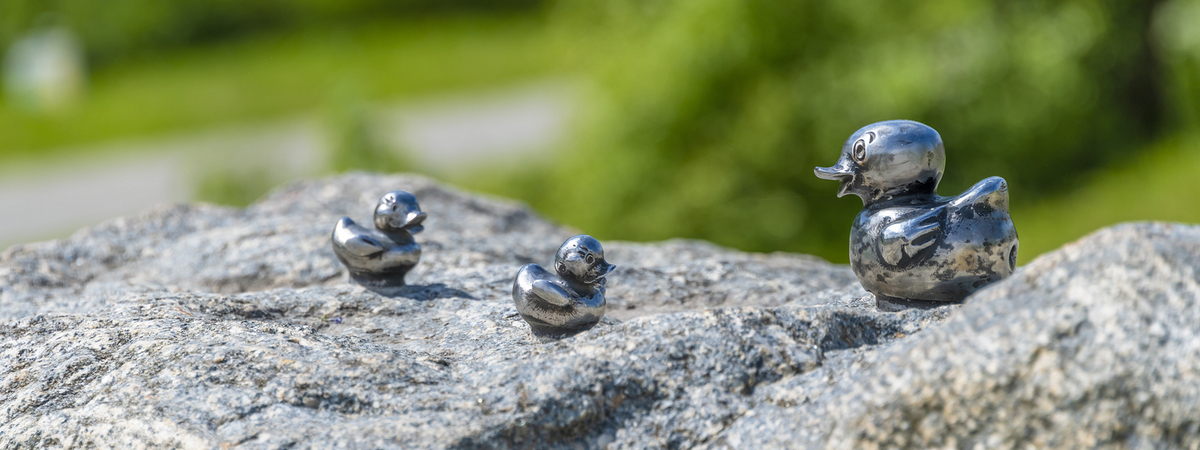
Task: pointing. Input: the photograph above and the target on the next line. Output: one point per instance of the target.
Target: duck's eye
(870, 137)
(860, 150)
(590, 259)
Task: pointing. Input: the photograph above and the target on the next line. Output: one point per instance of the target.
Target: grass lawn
(270, 76)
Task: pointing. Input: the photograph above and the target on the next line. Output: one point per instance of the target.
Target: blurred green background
(684, 118)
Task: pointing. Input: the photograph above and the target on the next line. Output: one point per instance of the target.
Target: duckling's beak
(841, 172)
(607, 268)
(413, 221)
(602, 271)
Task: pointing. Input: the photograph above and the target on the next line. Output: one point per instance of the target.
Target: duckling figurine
(378, 259)
(570, 302)
(910, 246)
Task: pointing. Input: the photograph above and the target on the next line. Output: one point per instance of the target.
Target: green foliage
(355, 139)
(1161, 184)
(234, 188)
(287, 74)
(710, 114)
(118, 29)
(718, 110)
(1179, 43)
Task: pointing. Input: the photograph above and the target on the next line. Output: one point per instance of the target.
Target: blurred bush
(1178, 39)
(714, 112)
(117, 29)
(708, 116)
(355, 139)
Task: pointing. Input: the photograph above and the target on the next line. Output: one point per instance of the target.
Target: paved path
(50, 198)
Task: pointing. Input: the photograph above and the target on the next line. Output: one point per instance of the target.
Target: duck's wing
(355, 240)
(533, 283)
(992, 192)
(550, 293)
(905, 239)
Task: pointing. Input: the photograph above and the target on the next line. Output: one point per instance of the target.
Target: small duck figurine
(378, 259)
(571, 302)
(910, 246)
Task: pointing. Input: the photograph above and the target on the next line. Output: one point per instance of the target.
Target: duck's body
(569, 302)
(908, 243)
(374, 258)
(935, 248)
(552, 306)
(379, 258)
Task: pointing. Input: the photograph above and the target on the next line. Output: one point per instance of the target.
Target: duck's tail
(992, 192)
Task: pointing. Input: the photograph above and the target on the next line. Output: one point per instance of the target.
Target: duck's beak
(602, 271)
(413, 221)
(841, 172)
(608, 268)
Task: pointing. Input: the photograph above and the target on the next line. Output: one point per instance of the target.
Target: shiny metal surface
(569, 302)
(379, 258)
(910, 245)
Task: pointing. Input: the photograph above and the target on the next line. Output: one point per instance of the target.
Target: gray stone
(1094, 345)
(206, 327)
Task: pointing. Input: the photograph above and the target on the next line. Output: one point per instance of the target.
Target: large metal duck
(378, 259)
(910, 246)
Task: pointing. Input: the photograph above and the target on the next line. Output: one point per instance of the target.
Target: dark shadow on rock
(423, 293)
(893, 304)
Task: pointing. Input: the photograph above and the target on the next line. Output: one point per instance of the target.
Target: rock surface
(206, 327)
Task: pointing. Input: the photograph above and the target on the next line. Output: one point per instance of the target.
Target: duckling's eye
(589, 258)
(860, 150)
